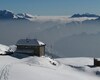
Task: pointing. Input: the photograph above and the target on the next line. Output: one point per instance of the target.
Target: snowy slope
(3, 48)
(44, 68)
(80, 61)
(35, 68)
(83, 64)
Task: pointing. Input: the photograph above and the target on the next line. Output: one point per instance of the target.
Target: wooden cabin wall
(36, 50)
(96, 62)
(42, 50)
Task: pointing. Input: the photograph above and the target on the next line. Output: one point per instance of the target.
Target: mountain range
(6, 14)
(84, 15)
(68, 36)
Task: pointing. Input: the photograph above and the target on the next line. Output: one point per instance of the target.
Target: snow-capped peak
(6, 11)
(84, 15)
(28, 15)
(7, 14)
(24, 15)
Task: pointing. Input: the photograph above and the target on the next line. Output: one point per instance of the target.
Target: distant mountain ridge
(98, 18)
(84, 15)
(86, 18)
(6, 14)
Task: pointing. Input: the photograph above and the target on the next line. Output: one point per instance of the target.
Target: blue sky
(51, 7)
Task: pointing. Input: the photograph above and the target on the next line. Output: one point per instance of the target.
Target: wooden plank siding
(42, 50)
(31, 50)
(32, 47)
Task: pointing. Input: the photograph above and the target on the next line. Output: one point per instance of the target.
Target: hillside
(35, 68)
(45, 68)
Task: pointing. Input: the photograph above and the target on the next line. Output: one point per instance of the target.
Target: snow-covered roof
(33, 42)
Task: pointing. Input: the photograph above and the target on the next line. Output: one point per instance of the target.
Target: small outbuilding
(96, 62)
(31, 47)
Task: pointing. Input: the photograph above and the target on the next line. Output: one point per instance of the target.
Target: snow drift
(41, 68)
(45, 68)
(3, 49)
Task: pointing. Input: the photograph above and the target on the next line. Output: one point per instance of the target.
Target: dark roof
(33, 42)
